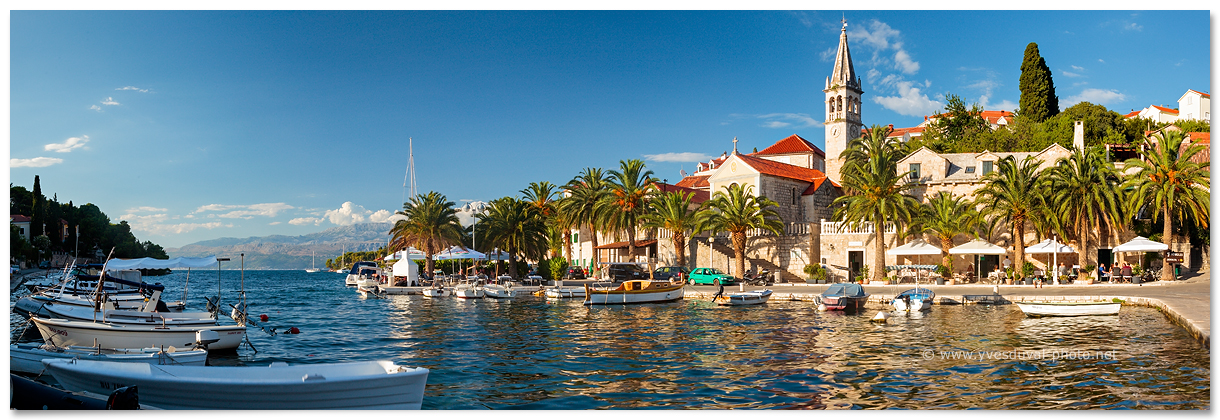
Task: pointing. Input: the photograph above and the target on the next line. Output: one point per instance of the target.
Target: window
(794, 196)
(1189, 99)
(914, 171)
(969, 169)
(988, 166)
(576, 238)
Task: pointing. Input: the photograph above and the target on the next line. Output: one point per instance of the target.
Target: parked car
(575, 273)
(44, 264)
(713, 276)
(670, 273)
(13, 269)
(626, 271)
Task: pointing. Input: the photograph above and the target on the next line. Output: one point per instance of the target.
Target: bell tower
(842, 107)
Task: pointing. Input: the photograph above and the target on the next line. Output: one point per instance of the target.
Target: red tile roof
(694, 181)
(992, 117)
(791, 144)
(899, 132)
(783, 170)
(1132, 114)
(1200, 137)
(699, 197)
(1166, 110)
(1200, 93)
(17, 218)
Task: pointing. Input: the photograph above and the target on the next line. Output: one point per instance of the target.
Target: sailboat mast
(410, 175)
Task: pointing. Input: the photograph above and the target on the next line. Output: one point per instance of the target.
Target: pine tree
(1038, 99)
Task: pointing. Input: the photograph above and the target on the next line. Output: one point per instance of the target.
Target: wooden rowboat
(745, 298)
(634, 291)
(1069, 308)
(65, 333)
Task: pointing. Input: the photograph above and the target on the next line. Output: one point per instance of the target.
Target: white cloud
(133, 88)
(244, 211)
(109, 101)
(72, 143)
(1077, 68)
(903, 62)
(154, 224)
(1101, 61)
(1069, 74)
(347, 214)
(1133, 27)
(780, 120)
(95, 108)
(145, 209)
(1095, 96)
(38, 162)
(678, 157)
(910, 101)
(306, 221)
(381, 216)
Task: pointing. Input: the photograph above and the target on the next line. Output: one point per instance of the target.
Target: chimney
(1078, 135)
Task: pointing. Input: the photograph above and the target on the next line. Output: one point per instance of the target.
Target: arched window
(840, 104)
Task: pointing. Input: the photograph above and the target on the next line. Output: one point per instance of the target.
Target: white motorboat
(633, 291)
(434, 292)
(66, 333)
(357, 385)
(27, 357)
(468, 290)
(362, 270)
(565, 292)
(499, 291)
(119, 316)
(745, 298)
(1069, 308)
(914, 300)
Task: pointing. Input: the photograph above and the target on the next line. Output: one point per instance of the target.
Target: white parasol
(1051, 246)
(978, 247)
(916, 247)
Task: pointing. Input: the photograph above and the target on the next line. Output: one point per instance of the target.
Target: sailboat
(313, 263)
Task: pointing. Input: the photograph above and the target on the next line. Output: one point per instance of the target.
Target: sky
(195, 125)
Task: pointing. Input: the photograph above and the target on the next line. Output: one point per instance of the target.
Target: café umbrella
(916, 247)
(1054, 247)
(978, 247)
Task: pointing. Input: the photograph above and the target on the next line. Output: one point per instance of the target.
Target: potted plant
(1027, 271)
(816, 273)
(862, 278)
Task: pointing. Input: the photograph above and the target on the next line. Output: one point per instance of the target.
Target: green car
(711, 276)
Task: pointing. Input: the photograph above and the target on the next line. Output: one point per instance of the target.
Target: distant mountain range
(280, 252)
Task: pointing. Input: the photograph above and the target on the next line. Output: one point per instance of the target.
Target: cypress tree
(39, 217)
(1038, 99)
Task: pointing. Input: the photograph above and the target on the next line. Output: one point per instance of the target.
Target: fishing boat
(360, 271)
(108, 313)
(436, 291)
(1037, 309)
(633, 291)
(917, 299)
(468, 289)
(499, 291)
(844, 297)
(27, 357)
(380, 385)
(745, 298)
(66, 333)
(565, 292)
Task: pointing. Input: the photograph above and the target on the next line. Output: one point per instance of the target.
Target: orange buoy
(294, 330)
(262, 317)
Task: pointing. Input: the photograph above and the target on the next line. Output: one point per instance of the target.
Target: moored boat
(917, 299)
(745, 298)
(1037, 309)
(434, 292)
(562, 292)
(361, 270)
(65, 333)
(468, 290)
(27, 357)
(844, 297)
(119, 316)
(499, 291)
(634, 291)
(280, 386)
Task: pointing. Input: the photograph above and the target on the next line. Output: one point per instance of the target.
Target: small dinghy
(380, 385)
(27, 357)
(745, 298)
(499, 291)
(434, 292)
(1036, 309)
(66, 333)
(565, 292)
(914, 300)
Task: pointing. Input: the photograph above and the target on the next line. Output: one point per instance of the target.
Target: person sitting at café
(1102, 272)
(1126, 272)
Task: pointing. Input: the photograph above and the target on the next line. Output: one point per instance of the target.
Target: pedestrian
(719, 293)
(1007, 263)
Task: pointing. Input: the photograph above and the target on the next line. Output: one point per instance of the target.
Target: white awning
(915, 247)
(1141, 244)
(180, 262)
(978, 247)
(1050, 246)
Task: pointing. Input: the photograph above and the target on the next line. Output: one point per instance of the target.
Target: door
(855, 263)
(1104, 256)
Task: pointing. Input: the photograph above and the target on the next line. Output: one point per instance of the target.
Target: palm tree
(1015, 194)
(947, 216)
(1167, 182)
(672, 211)
(541, 196)
(431, 225)
(874, 190)
(514, 226)
(581, 206)
(629, 189)
(736, 210)
(1084, 190)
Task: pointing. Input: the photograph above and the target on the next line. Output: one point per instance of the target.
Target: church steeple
(844, 74)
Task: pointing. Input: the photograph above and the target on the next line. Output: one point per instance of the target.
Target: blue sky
(194, 125)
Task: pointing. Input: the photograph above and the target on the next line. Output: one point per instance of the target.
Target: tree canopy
(1038, 100)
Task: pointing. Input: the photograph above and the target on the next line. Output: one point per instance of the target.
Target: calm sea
(530, 353)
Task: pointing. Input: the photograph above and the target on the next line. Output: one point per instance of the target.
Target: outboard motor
(205, 337)
(125, 398)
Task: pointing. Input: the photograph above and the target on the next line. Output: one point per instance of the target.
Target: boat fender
(881, 317)
(262, 317)
(313, 377)
(294, 330)
(822, 307)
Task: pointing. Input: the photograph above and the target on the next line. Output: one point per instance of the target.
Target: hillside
(278, 252)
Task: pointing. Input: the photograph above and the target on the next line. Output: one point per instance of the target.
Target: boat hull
(357, 385)
(82, 313)
(746, 298)
(914, 300)
(65, 333)
(565, 292)
(499, 292)
(432, 293)
(1040, 309)
(28, 357)
(469, 293)
(621, 297)
(844, 303)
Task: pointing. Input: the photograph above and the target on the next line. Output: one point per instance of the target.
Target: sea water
(534, 353)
